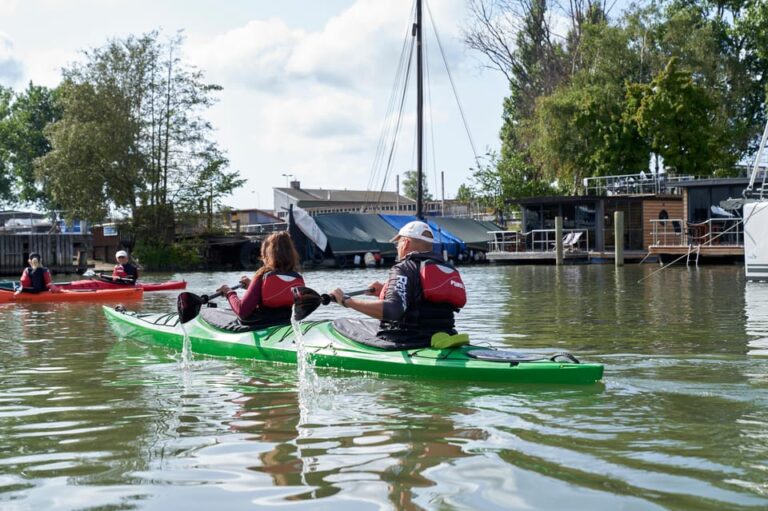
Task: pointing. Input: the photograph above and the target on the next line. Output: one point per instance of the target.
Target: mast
(419, 115)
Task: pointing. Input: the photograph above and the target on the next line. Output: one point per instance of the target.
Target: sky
(306, 84)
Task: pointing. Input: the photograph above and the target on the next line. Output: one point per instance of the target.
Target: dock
(61, 252)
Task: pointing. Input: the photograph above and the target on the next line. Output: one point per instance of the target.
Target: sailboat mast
(419, 116)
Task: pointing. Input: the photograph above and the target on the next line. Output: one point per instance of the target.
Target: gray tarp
(357, 233)
(471, 232)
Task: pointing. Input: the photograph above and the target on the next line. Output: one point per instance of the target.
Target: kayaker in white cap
(124, 271)
(421, 294)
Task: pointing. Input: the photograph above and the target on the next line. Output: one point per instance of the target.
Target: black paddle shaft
(306, 300)
(188, 304)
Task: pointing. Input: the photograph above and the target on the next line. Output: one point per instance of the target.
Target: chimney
(296, 185)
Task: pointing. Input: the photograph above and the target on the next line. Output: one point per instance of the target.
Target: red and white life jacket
(276, 288)
(442, 284)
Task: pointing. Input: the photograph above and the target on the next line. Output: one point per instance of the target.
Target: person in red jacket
(421, 295)
(268, 299)
(124, 271)
(36, 278)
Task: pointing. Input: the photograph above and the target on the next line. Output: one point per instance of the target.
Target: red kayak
(92, 295)
(146, 286)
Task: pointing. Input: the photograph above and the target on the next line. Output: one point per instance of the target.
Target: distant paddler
(421, 295)
(36, 278)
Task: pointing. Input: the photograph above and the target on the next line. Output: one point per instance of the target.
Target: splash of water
(186, 349)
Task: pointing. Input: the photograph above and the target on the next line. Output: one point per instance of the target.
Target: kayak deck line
(328, 348)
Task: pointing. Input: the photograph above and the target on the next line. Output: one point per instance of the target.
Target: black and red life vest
(440, 284)
(34, 280)
(276, 289)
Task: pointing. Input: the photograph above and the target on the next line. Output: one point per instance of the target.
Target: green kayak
(328, 347)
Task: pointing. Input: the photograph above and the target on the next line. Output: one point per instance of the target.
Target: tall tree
(675, 115)
(411, 183)
(133, 119)
(22, 140)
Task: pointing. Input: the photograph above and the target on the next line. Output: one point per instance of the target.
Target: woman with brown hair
(268, 298)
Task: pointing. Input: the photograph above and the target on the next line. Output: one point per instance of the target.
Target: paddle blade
(305, 301)
(188, 306)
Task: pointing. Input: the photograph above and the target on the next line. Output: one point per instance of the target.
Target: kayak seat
(366, 331)
(228, 320)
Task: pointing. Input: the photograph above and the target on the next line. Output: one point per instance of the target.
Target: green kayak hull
(328, 348)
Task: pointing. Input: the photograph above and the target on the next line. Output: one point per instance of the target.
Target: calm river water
(88, 421)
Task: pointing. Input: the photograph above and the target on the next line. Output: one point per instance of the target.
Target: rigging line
(388, 119)
(453, 86)
(430, 104)
(388, 123)
(399, 121)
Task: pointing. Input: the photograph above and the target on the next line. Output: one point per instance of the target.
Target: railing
(713, 232)
(267, 228)
(634, 184)
(537, 240)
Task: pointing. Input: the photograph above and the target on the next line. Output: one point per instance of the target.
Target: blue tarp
(448, 242)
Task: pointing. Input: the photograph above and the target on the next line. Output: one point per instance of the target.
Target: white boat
(756, 220)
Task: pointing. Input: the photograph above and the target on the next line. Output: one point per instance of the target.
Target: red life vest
(276, 289)
(439, 283)
(442, 284)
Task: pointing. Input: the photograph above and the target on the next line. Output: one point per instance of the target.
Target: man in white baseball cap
(124, 272)
(420, 296)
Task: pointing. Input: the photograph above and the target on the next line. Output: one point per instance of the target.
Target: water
(680, 422)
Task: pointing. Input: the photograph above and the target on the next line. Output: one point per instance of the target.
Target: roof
(723, 181)
(581, 199)
(323, 197)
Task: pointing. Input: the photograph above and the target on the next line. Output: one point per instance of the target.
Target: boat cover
(448, 242)
(471, 232)
(357, 233)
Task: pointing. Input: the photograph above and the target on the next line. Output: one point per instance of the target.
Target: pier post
(618, 236)
(559, 240)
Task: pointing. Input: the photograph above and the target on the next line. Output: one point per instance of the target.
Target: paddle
(188, 304)
(306, 300)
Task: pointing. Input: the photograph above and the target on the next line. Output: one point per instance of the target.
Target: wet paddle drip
(186, 349)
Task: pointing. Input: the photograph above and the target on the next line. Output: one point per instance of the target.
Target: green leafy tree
(411, 183)
(133, 121)
(465, 193)
(22, 140)
(675, 116)
(6, 173)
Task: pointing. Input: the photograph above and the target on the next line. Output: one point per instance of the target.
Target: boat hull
(756, 240)
(328, 348)
(101, 295)
(99, 284)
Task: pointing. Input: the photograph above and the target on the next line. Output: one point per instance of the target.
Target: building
(318, 201)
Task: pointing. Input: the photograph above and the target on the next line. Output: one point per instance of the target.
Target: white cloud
(10, 66)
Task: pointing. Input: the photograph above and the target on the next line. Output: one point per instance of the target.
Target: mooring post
(559, 240)
(618, 236)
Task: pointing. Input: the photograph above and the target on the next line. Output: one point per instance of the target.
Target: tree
(133, 122)
(676, 116)
(411, 183)
(6, 175)
(465, 193)
(22, 140)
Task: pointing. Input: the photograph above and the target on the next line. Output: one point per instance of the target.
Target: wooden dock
(61, 253)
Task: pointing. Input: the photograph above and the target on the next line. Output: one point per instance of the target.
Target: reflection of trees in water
(599, 308)
(373, 437)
